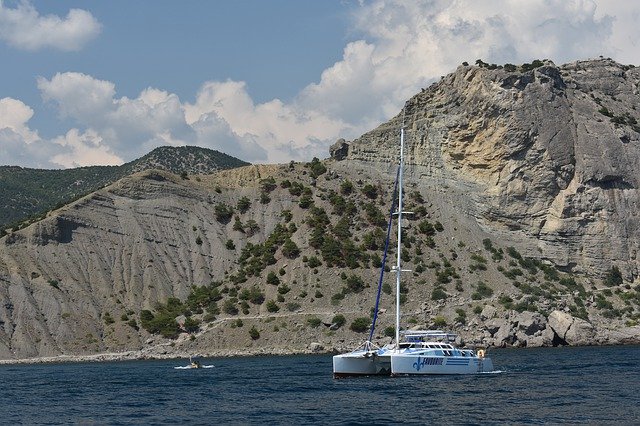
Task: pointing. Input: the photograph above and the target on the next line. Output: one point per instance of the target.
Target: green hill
(28, 193)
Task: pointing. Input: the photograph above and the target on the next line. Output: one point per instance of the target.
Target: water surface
(550, 385)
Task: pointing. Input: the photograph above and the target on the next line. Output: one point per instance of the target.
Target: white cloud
(86, 149)
(24, 28)
(14, 116)
(403, 46)
(283, 131)
(407, 45)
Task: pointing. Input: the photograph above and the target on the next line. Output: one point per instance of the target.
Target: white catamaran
(419, 352)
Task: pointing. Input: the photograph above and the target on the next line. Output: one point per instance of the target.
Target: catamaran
(419, 352)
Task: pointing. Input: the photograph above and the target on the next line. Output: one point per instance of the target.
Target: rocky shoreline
(517, 330)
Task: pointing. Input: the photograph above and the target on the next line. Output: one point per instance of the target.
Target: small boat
(418, 352)
(193, 364)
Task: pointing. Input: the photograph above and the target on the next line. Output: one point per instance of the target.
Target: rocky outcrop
(339, 150)
(526, 329)
(548, 158)
(569, 330)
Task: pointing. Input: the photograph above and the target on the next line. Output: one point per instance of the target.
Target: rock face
(572, 331)
(548, 155)
(339, 150)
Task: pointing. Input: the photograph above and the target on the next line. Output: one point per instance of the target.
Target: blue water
(559, 385)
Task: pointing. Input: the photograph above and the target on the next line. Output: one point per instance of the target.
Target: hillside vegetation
(27, 194)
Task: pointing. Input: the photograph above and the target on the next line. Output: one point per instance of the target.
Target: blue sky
(103, 82)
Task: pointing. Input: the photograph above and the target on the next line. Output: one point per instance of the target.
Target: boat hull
(361, 364)
(420, 364)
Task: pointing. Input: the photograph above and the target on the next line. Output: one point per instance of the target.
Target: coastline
(144, 355)
(141, 355)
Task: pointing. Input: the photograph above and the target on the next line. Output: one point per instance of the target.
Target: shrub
(254, 333)
(272, 306)
(272, 278)
(305, 201)
(426, 228)
(360, 325)
(268, 184)
(191, 325)
(317, 168)
(231, 306)
(146, 315)
(237, 225)
(370, 191)
(439, 321)
(292, 307)
(346, 187)
(511, 251)
(314, 262)
(484, 290)
(285, 184)
(223, 213)
(390, 331)
(336, 298)
(438, 294)
(251, 227)
(314, 322)
(290, 249)
(355, 284)
(284, 289)
(506, 301)
(229, 245)
(613, 277)
(108, 319)
(339, 320)
(243, 205)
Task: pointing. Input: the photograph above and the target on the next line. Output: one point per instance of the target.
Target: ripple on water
(560, 385)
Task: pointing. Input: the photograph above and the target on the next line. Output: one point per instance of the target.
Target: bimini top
(423, 335)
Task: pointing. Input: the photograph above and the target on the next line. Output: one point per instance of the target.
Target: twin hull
(419, 364)
(361, 363)
(370, 364)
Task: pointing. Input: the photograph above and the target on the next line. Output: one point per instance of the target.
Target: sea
(587, 385)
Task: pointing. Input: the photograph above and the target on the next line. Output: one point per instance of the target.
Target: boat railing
(420, 335)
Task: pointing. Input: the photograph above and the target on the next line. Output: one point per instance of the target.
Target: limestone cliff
(549, 156)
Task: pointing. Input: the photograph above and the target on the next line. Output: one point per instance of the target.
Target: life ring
(480, 353)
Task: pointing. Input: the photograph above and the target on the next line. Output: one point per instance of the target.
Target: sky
(94, 82)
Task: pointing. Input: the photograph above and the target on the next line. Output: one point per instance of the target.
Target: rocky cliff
(522, 186)
(549, 156)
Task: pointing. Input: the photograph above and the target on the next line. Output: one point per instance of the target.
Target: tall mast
(398, 260)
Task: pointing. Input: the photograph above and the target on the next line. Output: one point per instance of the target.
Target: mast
(398, 259)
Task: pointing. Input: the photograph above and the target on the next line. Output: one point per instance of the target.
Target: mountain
(31, 192)
(522, 184)
(547, 158)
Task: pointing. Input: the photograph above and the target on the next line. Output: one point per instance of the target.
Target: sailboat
(419, 352)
